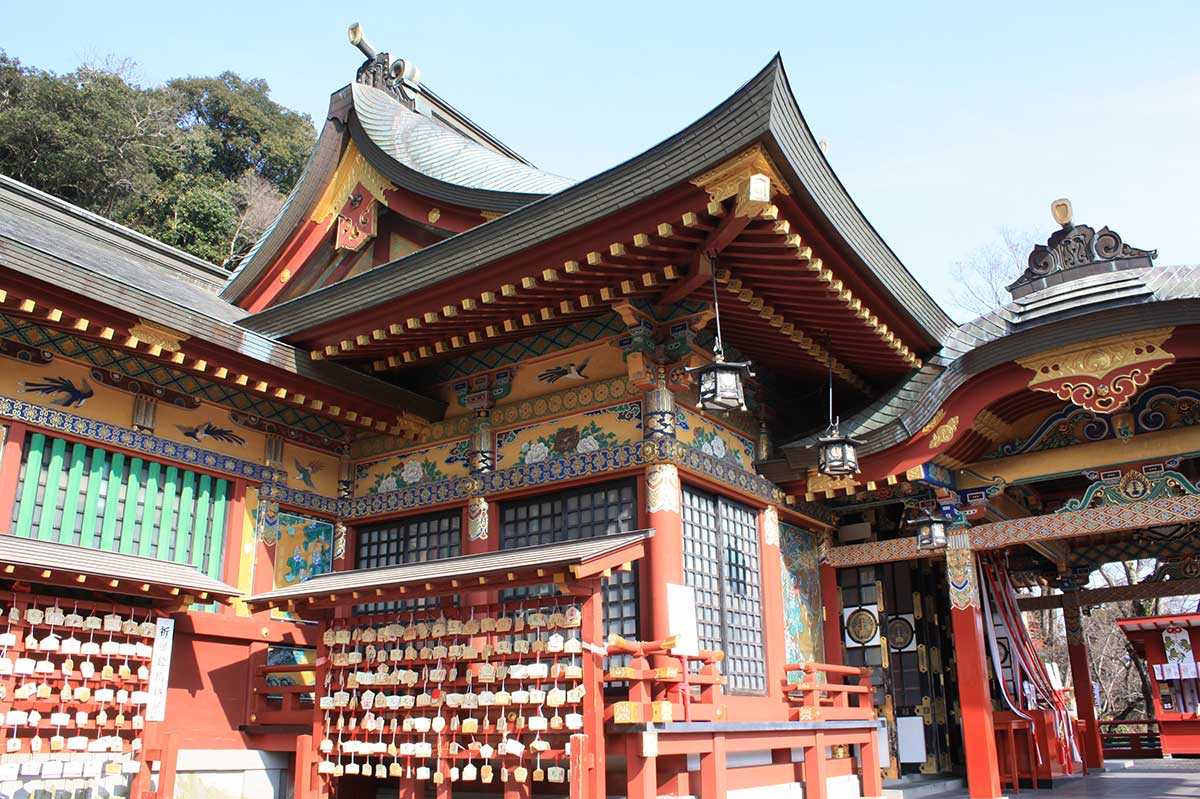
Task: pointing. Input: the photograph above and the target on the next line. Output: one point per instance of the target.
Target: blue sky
(946, 121)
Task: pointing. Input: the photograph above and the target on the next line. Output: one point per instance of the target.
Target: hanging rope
(1032, 662)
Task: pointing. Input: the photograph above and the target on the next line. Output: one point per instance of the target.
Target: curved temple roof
(764, 110)
(1085, 308)
(437, 151)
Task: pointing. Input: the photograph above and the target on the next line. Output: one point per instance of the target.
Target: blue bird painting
(305, 473)
(209, 430)
(63, 391)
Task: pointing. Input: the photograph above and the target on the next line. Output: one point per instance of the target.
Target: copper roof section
(440, 153)
(48, 562)
(491, 568)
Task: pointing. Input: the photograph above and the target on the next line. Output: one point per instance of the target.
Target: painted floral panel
(588, 432)
(406, 469)
(801, 595)
(712, 439)
(303, 546)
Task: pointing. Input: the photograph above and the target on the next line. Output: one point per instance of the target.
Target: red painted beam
(301, 247)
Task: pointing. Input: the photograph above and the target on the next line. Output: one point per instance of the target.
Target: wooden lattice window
(585, 512)
(721, 562)
(411, 539)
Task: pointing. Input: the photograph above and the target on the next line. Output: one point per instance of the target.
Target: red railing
(815, 700)
(276, 702)
(1130, 738)
(668, 691)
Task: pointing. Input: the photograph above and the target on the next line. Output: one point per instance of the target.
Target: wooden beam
(1117, 593)
(699, 272)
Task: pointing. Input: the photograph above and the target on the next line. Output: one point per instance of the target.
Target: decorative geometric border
(580, 398)
(105, 433)
(459, 489)
(137, 368)
(573, 467)
(542, 343)
(1111, 518)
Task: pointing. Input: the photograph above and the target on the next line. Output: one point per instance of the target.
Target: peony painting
(573, 435)
(409, 469)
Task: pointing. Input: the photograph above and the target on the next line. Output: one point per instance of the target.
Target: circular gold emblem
(900, 633)
(862, 626)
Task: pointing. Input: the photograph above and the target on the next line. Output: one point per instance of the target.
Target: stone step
(923, 787)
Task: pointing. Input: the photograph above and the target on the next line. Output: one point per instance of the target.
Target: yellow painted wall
(535, 377)
(714, 439)
(321, 468)
(567, 435)
(412, 467)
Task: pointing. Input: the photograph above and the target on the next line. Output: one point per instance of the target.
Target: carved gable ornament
(1101, 375)
(357, 223)
(1076, 251)
(737, 177)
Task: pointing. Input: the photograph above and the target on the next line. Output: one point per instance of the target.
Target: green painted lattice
(86, 496)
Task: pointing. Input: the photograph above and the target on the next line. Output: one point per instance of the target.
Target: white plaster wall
(232, 774)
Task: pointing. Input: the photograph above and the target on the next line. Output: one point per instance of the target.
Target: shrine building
(476, 480)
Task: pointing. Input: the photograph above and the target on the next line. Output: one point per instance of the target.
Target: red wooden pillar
(1081, 678)
(592, 629)
(772, 601)
(974, 689)
(868, 763)
(166, 767)
(816, 769)
(831, 605)
(10, 469)
(713, 774)
(664, 560)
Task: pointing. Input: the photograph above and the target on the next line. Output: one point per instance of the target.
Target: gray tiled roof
(481, 565)
(1089, 307)
(131, 570)
(57, 243)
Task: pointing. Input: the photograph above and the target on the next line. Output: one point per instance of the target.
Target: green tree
(243, 129)
(201, 163)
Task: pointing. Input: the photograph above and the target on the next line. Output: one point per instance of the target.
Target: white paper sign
(160, 670)
(681, 619)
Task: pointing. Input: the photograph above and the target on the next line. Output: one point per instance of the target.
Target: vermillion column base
(974, 689)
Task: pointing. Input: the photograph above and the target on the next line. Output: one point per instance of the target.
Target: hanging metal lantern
(837, 454)
(720, 384)
(931, 531)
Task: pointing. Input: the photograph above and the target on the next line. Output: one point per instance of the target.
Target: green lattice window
(76, 494)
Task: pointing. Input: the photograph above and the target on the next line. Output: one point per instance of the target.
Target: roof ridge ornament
(1076, 251)
(400, 78)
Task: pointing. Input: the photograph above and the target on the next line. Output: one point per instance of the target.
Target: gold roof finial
(1063, 213)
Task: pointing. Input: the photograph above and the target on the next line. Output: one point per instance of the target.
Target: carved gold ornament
(352, 170)
(771, 526)
(818, 483)
(158, 336)
(733, 178)
(933, 423)
(477, 519)
(662, 488)
(1101, 375)
(944, 433)
(960, 573)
